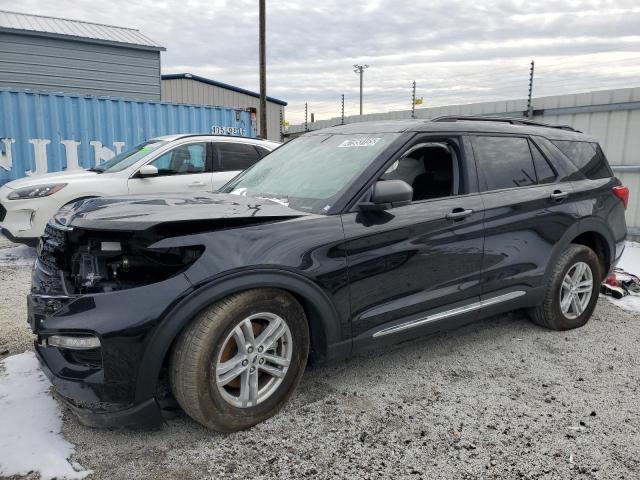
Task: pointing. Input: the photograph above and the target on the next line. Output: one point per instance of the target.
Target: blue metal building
(48, 132)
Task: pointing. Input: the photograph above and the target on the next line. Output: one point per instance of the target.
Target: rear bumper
(617, 255)
(86, 406)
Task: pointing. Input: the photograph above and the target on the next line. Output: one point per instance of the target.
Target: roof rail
(511, 120)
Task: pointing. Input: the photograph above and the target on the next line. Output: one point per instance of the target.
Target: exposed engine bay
(104, 244)
(84, 261)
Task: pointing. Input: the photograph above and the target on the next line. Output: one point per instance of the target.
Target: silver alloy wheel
(576, 290)
(259, 350)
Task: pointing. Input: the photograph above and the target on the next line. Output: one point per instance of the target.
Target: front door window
(184, 159)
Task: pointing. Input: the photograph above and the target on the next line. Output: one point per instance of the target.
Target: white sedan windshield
(128, 158)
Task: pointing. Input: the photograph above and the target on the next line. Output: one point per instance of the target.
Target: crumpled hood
(139, 212)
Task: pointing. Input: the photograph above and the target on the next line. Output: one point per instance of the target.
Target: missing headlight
(104, 266)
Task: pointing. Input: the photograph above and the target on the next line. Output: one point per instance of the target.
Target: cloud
(458, 51)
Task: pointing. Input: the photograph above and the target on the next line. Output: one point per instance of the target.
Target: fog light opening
(72, 342)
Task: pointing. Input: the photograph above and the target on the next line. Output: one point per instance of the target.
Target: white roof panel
(74, 28)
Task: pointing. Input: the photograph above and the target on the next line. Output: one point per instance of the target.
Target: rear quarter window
(262, 152)
(586, 157)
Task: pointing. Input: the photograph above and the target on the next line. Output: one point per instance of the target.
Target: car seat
(437, 179)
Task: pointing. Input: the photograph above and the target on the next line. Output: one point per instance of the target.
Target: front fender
(324, 320)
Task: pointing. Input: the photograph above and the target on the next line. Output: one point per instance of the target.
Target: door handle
(197, 184)
(559, 195)
(458, 214)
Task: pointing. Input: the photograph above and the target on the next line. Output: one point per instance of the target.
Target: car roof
(460, 124)
(208, 136)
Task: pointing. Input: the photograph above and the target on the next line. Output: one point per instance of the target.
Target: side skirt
(450, 313)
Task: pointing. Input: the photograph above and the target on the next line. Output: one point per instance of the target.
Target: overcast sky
(458, 51)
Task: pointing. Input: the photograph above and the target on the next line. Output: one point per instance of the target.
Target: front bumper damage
(102, 389)
(86, 405)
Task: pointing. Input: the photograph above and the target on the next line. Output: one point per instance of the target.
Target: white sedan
(175, 163)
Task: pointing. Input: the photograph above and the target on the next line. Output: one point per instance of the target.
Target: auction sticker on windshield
(359, 142)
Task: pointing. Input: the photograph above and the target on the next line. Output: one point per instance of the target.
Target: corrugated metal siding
(77, 28)
(612, 116)
(617, 130)
(56, 65)
(184, 90)
(51, 123)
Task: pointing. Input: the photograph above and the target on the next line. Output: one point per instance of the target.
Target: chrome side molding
(450, 313)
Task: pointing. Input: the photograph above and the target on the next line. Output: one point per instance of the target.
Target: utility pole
(306, 125)
(413, 100)
(263, 71)
(360, 70)
(281, 125)
(342, 111)
(529, 105)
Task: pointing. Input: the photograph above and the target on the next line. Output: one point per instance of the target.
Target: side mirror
(387, 194)
(148, 171)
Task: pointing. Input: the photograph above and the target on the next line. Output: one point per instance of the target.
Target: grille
(3, 212)
(54, 234)
(53, 244)
(90, 358)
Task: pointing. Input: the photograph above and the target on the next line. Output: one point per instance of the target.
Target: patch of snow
(18, 255)
(630, 262)
(631, 303)
(30, 421)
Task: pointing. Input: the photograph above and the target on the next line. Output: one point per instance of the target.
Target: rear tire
(569, 298)
(239, 361)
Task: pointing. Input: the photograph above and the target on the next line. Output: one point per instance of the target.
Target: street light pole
(360, 70)
(263, 72)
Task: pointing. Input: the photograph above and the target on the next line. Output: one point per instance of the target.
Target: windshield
(310, 173)
(130, 157)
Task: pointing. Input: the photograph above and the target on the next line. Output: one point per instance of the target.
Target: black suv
(338, 241)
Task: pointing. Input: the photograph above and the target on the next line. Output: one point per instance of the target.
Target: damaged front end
(78, 261)
(86, 285)
(108, 273)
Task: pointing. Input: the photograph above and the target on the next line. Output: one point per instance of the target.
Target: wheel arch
(590, 232)
(322, 316)
(86, 196)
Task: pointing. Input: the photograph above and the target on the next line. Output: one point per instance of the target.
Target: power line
(474, 89)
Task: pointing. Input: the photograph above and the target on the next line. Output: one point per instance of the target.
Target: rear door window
(503, 162)
(586, 157)
(235, 156)
(544, 171)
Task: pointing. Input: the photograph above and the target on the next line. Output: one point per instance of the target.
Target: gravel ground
(498, 399)
(15, 336)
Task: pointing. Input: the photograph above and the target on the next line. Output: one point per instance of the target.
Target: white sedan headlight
(36, 191)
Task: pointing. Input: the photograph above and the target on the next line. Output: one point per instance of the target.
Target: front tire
(239, 361)
(572, 290)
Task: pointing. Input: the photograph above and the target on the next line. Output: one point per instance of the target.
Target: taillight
(622, 193)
